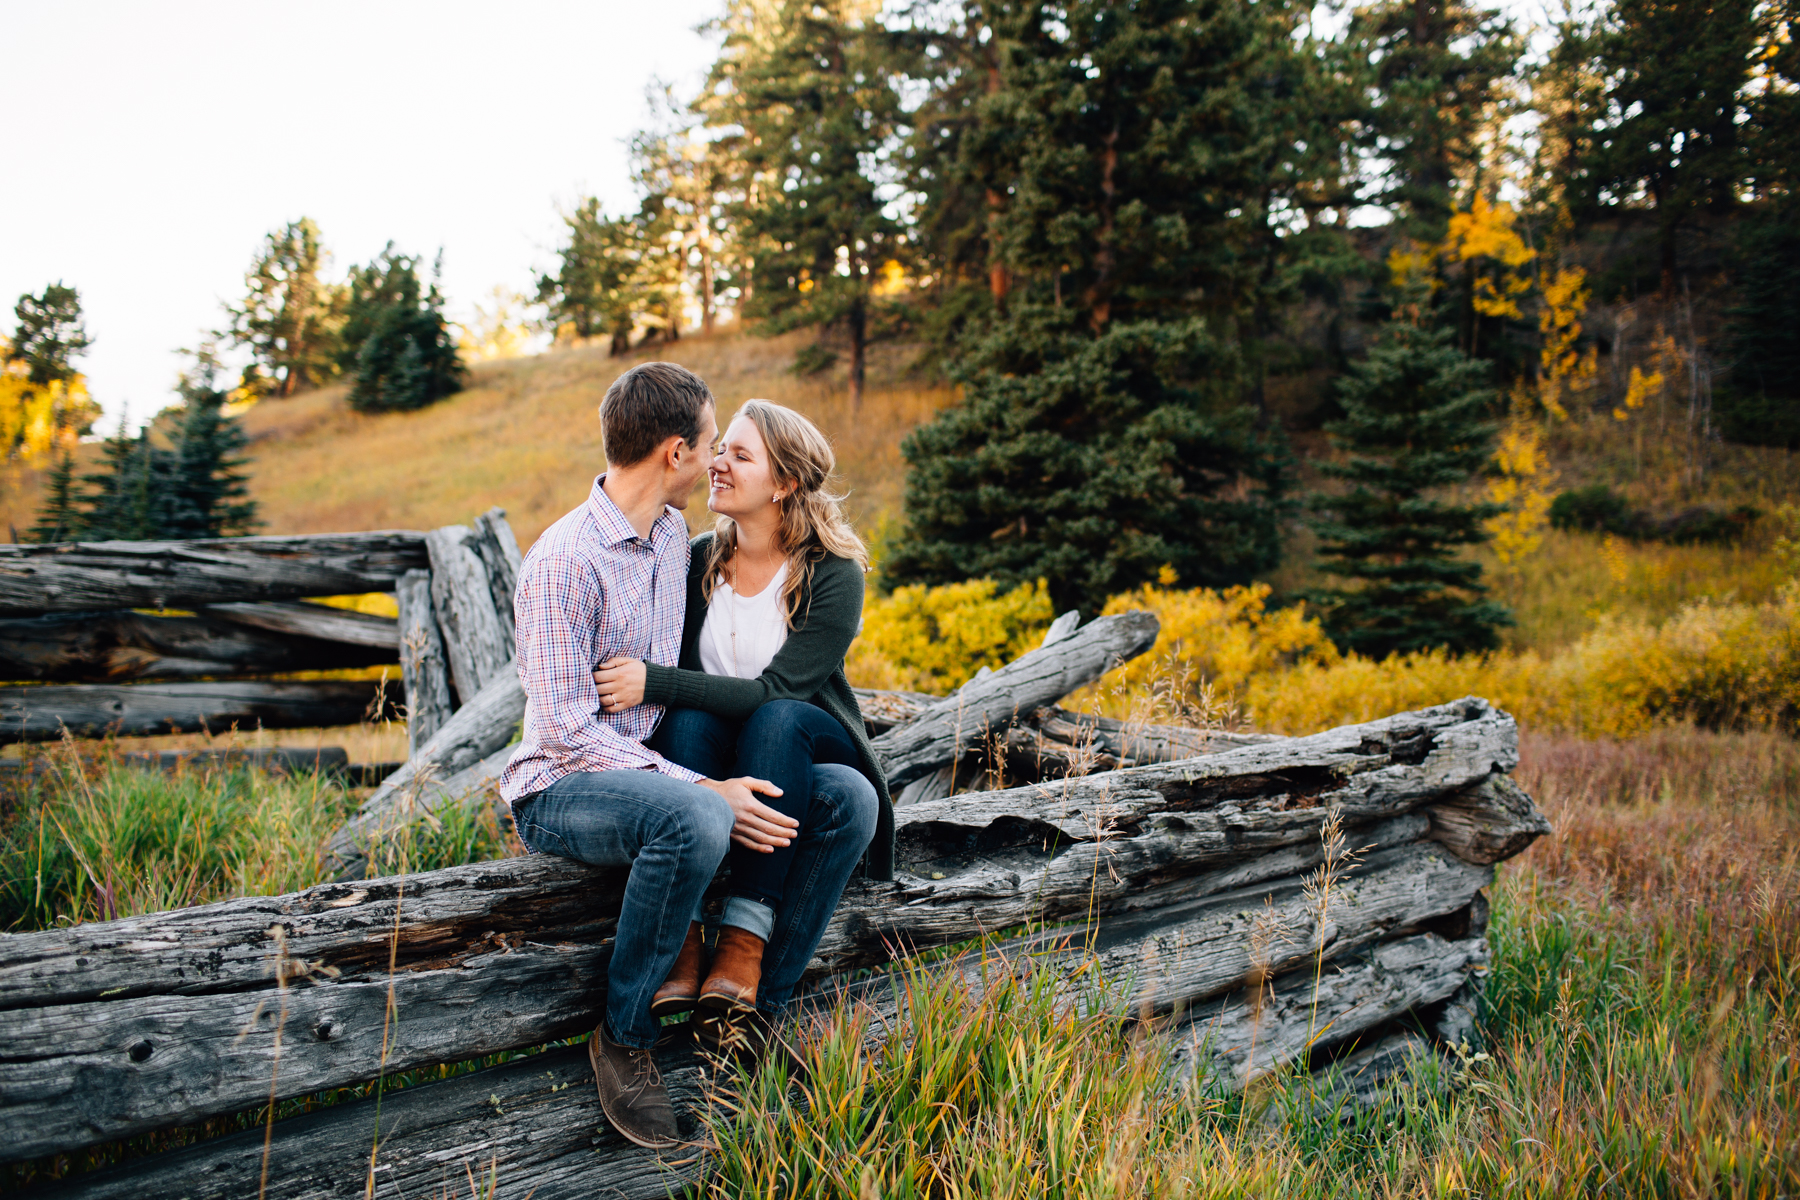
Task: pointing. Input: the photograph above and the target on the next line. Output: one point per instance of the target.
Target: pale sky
(149, 147)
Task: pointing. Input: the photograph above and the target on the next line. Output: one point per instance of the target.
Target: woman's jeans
(802, 750)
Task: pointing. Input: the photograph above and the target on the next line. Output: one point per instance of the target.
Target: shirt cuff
(677, 771)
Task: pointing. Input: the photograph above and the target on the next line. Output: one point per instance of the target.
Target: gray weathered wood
(881, 711)
(315, 621)
(1139, 743)
(122, 645)
(87, 576)
(40, 714)
(1238, 1040)
(1491, 821)
(1063, 627)
(422, 663)
(991, 703)
(481, 727)
(498, 549)
(477, 640)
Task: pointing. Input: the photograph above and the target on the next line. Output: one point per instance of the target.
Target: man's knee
(706, 823)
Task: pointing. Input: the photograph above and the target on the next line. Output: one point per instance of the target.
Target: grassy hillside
(526, 436)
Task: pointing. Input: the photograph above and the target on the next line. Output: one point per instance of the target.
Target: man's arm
(557, 601)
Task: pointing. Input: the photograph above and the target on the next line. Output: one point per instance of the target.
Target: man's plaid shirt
(590, 590)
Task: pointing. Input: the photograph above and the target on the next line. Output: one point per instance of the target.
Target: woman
(774, 600)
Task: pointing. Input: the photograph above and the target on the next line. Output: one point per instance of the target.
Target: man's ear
(675, 451)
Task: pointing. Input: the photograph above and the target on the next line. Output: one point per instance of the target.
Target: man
(608, 581)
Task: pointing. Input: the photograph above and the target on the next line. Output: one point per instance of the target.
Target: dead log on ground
(422, 663)
(91, 576)
(319, 621)
(478, 635)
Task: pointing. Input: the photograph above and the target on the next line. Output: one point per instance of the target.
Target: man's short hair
(649, 404)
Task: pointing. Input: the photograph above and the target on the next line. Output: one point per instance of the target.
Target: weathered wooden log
(481, 727)
(477, 639)
(536, 1121)
(499, 552)
(91, 576)
(1139, 743)
(422, 663)
(881, 711)
(316, 621)
(1195, 867)
(122, 645)
(1488, 822)
(40, 714)
(989, 704)
(1245, 1037)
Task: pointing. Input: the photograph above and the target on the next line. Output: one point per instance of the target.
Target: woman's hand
(621, 684)
(757, 826)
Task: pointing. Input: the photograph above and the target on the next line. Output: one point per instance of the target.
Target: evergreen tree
(128, 499)
(50, 336)
(593, 291)
(289, 318)
(1670, 126)
(208, 494)
(1761, 404)
(60, 520)
(1102, 435)
(1414, 425)
(1434, 71)
(812, 85)
(405, 357)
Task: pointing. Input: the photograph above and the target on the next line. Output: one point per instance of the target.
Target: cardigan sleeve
(814, 649)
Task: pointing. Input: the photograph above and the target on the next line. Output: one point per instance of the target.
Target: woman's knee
(777, 719)
(852, 803)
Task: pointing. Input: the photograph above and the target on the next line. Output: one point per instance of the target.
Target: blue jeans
(801, 749)
(672, 834)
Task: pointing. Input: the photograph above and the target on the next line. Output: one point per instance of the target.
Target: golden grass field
(526, 435)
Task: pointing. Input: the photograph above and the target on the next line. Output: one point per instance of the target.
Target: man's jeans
(672, 834)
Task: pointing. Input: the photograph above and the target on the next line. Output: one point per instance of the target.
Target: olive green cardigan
(809, 666)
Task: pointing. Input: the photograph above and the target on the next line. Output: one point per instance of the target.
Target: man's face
(694, 461)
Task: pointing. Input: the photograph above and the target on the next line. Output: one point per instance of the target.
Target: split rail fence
(1175, 860)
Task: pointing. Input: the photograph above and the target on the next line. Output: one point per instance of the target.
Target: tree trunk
(858, 321)
(706, 287)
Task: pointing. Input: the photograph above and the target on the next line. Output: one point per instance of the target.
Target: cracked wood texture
(86, 576)
(989, 703)
(316, 621)
(39, 714)
(423, 667)
(539, 1118)
(132, 1025)
(481, 727)
(478, 636)
(119, 646)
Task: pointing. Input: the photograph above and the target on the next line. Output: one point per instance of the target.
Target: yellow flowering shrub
(1225, 639)
(932, 639)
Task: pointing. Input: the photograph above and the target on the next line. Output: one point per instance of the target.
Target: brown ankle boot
(682, 987)
(736, 970)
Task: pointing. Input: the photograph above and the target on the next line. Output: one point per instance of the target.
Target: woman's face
(742, 482)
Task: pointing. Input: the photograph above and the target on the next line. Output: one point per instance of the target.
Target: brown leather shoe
(632, 1093)
(682, 987)
(736, 970)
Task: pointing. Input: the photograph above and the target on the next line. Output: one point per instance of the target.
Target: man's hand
(758, 827)
(621, 684)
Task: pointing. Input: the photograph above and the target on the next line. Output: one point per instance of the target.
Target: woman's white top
(742, 633)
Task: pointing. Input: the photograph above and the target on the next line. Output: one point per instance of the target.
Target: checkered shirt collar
(612, 524)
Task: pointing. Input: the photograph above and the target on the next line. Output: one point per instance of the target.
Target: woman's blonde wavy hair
(812, 514)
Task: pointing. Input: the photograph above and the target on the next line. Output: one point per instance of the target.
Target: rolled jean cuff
(752, 916)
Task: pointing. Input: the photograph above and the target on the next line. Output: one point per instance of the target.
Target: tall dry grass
(1640, 1016)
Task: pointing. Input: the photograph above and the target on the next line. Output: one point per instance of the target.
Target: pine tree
(289, 317)
(405, 355)
(1434, 70)
(61, 519)
(208, 493)
(50, 335)
(1102, 434)
(811, 84)
(594, 289)
(1414, 424)
(129, 498)
(1761, 404)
